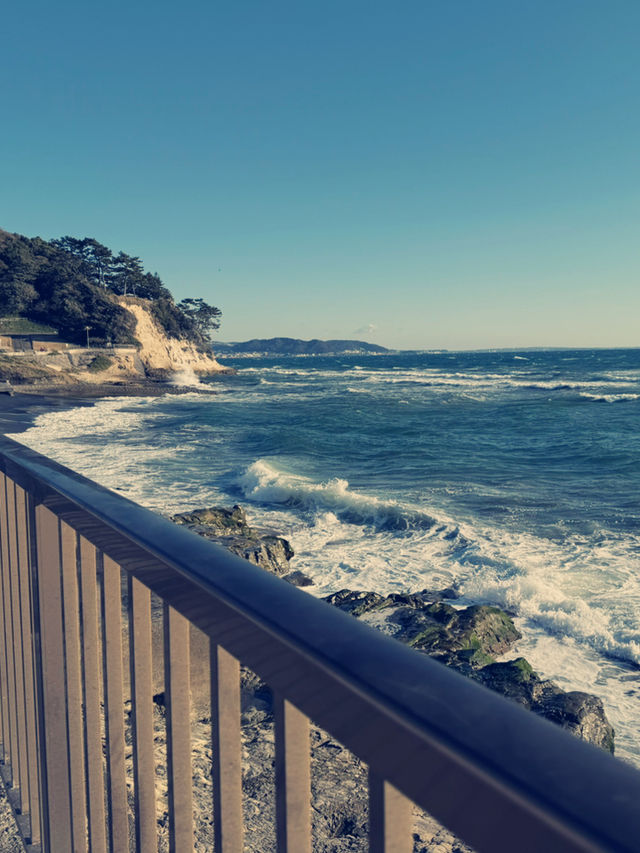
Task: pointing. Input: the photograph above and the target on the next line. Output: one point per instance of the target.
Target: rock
(355, 602)
(230, 528)
(487, 628)
(269, 552)
(217, 519)
(467, 639)
(434, 626)
(582, 714)
(517, 680)
(298, 578)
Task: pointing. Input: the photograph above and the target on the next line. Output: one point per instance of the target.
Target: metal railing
(496, 775)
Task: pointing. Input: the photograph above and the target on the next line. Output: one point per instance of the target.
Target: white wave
(569, 589)
(187, 378)
(263, 482)
(109, 442)
(610, 398)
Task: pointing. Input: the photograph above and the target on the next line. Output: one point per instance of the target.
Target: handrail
(496, 775)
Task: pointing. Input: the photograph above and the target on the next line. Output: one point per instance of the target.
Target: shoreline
(19, 410)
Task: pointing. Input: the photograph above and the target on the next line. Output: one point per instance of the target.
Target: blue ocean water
(513, 475)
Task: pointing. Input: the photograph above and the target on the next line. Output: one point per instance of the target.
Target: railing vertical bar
(114, 705)
(69, 555)
(91, 684)
(227, 751)
(26, 618)
(9, 739)
(54, 724)
(390, 820)
(17, 641)
(293, 782)
(4, 711)
(178, 704)
(142, 715)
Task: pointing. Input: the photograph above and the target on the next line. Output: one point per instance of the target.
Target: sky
(437, 174)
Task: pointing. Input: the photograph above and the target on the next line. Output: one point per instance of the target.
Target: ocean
(514, 476)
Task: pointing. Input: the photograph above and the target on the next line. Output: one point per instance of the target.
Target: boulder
(230, 528)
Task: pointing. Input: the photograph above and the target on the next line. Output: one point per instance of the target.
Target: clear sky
(441, 173)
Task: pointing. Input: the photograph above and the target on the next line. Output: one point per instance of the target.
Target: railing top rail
(482, 745)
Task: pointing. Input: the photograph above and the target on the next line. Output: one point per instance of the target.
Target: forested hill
(73, 283)
(293, 346)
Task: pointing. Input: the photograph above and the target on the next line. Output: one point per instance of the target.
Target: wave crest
(263, 482)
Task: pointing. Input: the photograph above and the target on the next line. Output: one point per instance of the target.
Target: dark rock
(466, 639)
(269, 552)
(582, 714)
(230, 528)
(298, 578)
(356, 602)
(217, 519)
(517, 680)
(450, 593)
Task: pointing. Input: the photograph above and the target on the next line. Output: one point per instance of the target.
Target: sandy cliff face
(159, 352)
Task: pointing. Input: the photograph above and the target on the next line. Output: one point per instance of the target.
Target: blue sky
(420, 174)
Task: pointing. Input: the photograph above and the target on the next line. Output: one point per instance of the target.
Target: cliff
(158, 352)
(157, 357)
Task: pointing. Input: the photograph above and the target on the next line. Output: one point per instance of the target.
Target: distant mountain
(293, 346)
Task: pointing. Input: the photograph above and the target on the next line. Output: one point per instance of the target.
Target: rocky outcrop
(580, 713)
(230, 528)
(467, 639)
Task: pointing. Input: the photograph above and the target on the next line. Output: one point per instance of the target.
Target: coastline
(19, 411)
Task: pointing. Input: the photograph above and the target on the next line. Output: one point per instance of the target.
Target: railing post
(54, 749)
(7, 674)
(178, 705)
(4, 711)
(69, 557)
(20, 759)
(24, 534)
(293, 779)
(114, 704)
(227, 750)
(91, 683)
(390, 827)
(142, 715)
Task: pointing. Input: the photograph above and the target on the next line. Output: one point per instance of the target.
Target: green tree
(126, 275)
(206, 318)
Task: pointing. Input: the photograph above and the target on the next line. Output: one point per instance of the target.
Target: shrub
(99, 363)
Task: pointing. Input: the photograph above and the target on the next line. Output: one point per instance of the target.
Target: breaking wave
(265, 483)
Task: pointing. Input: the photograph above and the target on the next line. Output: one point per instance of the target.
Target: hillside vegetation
(71, 283)
(294, 346)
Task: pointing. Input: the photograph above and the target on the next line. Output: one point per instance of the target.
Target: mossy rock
(487, 628)
(445, 614)
(432, 638)
(474, 658)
